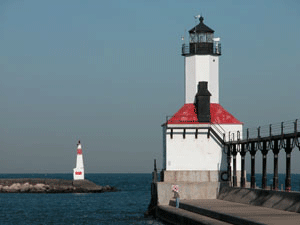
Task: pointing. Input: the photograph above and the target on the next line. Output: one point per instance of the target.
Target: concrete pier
(215, 211)
(235, 206)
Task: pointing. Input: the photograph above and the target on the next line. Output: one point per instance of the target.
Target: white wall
(213, 83)
(201, 68)
(190, 153)
(195, 154)
(190, 79)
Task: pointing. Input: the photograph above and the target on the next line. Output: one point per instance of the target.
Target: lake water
(124, 207)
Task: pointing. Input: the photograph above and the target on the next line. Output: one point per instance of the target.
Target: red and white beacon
(78, 172)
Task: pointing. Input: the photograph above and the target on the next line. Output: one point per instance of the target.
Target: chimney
(202, 103)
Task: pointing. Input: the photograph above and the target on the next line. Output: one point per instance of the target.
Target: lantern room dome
(201, 28)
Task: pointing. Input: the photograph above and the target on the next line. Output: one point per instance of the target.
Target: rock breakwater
(36, 185)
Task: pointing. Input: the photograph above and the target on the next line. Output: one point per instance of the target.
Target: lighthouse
(78, 172)
(194, 155)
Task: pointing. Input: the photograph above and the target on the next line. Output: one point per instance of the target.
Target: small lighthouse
(78, 172)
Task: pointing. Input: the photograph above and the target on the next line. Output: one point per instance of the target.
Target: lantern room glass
(201, 37)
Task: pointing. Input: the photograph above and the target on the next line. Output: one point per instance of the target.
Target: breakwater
(39, 185)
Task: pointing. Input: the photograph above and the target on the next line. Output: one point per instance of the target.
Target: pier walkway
(215, 211)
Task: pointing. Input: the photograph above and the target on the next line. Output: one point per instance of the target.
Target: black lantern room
(202, 41)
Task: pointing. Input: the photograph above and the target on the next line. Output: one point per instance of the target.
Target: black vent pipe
(202, 103)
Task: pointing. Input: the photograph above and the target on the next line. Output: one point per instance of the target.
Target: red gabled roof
(187, 115)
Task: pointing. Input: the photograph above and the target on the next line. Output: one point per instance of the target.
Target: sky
(109, 72)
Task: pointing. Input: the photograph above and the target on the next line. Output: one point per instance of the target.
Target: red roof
(187, 115)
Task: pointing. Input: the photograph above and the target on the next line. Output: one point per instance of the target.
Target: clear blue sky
(108, 72)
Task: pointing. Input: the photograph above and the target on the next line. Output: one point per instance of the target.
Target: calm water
(295, 180)
(124, 207)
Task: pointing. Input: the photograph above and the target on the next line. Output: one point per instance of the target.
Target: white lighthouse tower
(194, 156)
(78, 172)
(202, 62)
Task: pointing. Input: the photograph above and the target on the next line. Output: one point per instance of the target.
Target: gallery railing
(201, 48)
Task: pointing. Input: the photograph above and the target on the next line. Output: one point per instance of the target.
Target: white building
(193, 136)
(78, 172)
